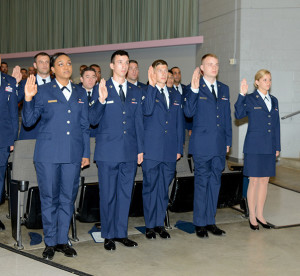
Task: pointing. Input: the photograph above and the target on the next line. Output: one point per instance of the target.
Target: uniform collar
(116, 85)
(69, 86)
(208, 84)
(39, 79)
(263, 95)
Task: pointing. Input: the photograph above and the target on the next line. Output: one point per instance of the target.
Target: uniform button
(218, 125)
(68, 133)
(218, 116)
(124, 112)
(166, 122)
(269, 130)
(124, 131)
(68, 122)
(269, 124)
(244, 104)
(269, 116)
(217, 107)
(69, 111)
(166, 131)
(124, 122)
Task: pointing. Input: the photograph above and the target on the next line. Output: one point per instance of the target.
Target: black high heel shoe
(267, 226)
(253, 227)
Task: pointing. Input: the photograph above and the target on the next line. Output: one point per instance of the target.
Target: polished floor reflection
(241, 252)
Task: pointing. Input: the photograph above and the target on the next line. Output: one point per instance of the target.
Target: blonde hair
(259, 74)
(208, 55)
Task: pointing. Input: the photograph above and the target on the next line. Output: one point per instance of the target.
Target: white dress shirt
(124, 86)
(67, 92)
(40, 81)
(266, 99)
(166, 92)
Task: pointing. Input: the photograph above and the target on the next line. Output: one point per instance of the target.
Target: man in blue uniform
(9, 123)
(133, 74)
(119, 147)
(62, 148)
(42, 65)
(207, 102)
(88, 82)
(163, 143)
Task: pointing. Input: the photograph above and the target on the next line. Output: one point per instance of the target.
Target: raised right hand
(195, 79)
(17, 73)
(151, 76)
(102, 91)
(244, 87)
(30, 88)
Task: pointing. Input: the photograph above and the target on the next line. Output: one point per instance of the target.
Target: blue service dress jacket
(163, 126)
(142, 85)
(212, 130)
(119, 136)
(9, 121)
(263, 133)
(31, 132)
(64, 135)
(94, 98)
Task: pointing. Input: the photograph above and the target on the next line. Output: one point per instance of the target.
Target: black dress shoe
(264, 225)
(253, 227)
(215, 230)
(66, 249)
(201, 232)
(150, 234)
(126, 242)
(49, 252)
(2, 226)
(162, 232)
(109, 244)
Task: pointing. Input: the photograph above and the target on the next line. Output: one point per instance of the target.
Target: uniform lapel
(3, 82)
(74, 95)
(58, 93)
(161, 99)
(203, 87)
(260, 101)
(112, 92)
(128, 97)
(220, 96)
(171, 97)
(274, 105)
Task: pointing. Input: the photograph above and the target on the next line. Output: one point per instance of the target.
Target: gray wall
(267, 36)
(270, 39)
(219, 23)
(182, 56)
(259, 34)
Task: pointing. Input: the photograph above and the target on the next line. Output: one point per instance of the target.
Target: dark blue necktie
(213, 92)
(121, 93)
(164, 96)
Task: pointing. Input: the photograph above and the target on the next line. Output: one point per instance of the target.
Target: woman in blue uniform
(262, 142)
(62, 147)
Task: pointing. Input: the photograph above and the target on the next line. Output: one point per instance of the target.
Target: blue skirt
(259, 165)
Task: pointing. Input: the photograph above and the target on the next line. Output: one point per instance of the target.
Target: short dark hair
(174, 67)
(40, 54)
(170, 71)
(159, 62)
(55, 56)
(118, 53)
(3, 62)
(22, 69)
(94, 65)
(87, 69)
(133, 61)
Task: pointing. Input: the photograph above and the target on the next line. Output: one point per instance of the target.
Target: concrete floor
(241, 251)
